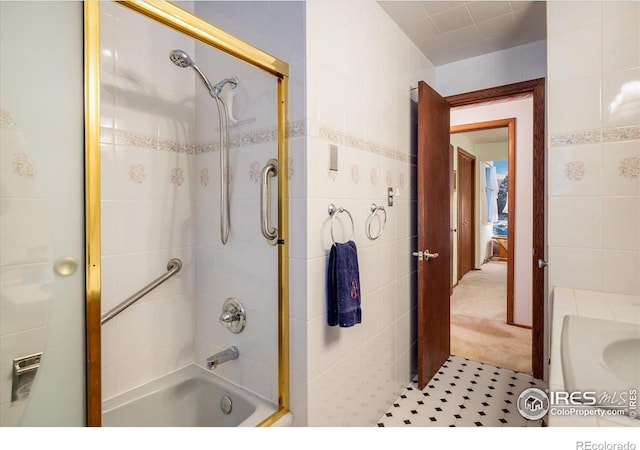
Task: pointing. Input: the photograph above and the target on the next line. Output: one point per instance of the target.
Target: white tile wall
(147, 206)
(594, 193)
(348, 374)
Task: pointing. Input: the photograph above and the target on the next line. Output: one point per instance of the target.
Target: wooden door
(466, 212)
(434, 208)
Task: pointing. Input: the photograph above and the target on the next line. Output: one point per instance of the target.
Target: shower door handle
(270, 233)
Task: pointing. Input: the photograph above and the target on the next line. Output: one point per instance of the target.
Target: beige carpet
(478, 316)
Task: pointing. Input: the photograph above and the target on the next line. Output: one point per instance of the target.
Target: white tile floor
(463, 393)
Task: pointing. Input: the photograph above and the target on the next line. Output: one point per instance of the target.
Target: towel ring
(333, 212)
(374, 213)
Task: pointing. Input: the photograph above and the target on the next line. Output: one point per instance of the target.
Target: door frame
(537, 88)
(462, 153)
(510, 124)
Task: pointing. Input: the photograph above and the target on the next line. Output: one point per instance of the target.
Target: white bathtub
(189, 397)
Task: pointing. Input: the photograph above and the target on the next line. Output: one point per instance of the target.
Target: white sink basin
(601, 356)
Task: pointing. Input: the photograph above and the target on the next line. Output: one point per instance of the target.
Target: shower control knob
(233, 316)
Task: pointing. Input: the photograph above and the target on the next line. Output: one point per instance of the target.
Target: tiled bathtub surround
(160, 190)
(147, 118)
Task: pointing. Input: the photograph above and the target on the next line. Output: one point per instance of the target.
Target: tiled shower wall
(147, 114)
(246, 268)
(594, 145)
(160, 160)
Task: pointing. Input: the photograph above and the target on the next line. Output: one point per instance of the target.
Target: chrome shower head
(181, 59)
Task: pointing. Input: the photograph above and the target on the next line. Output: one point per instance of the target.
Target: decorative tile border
(254, 137)
(340, 138)
(596, 136)
(621, 134)
(120, 137)
(295, 129)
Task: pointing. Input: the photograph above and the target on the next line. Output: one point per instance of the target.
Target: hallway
(478, 316)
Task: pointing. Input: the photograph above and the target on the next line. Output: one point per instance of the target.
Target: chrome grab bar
(270, 233)
(173, 266)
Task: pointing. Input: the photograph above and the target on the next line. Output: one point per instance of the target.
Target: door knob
(429, 256)
(425, 255)
(542, 263)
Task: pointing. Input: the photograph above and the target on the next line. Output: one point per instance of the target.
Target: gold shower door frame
(187, 23)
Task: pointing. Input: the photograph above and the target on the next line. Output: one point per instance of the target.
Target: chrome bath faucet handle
(233, 316)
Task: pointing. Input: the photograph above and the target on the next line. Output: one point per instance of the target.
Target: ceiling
(448, 31)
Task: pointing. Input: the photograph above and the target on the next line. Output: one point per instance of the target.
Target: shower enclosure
(180, 157)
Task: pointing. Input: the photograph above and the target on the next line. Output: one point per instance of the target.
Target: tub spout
(222, 357)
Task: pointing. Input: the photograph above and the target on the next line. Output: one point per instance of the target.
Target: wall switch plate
(333, 157)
